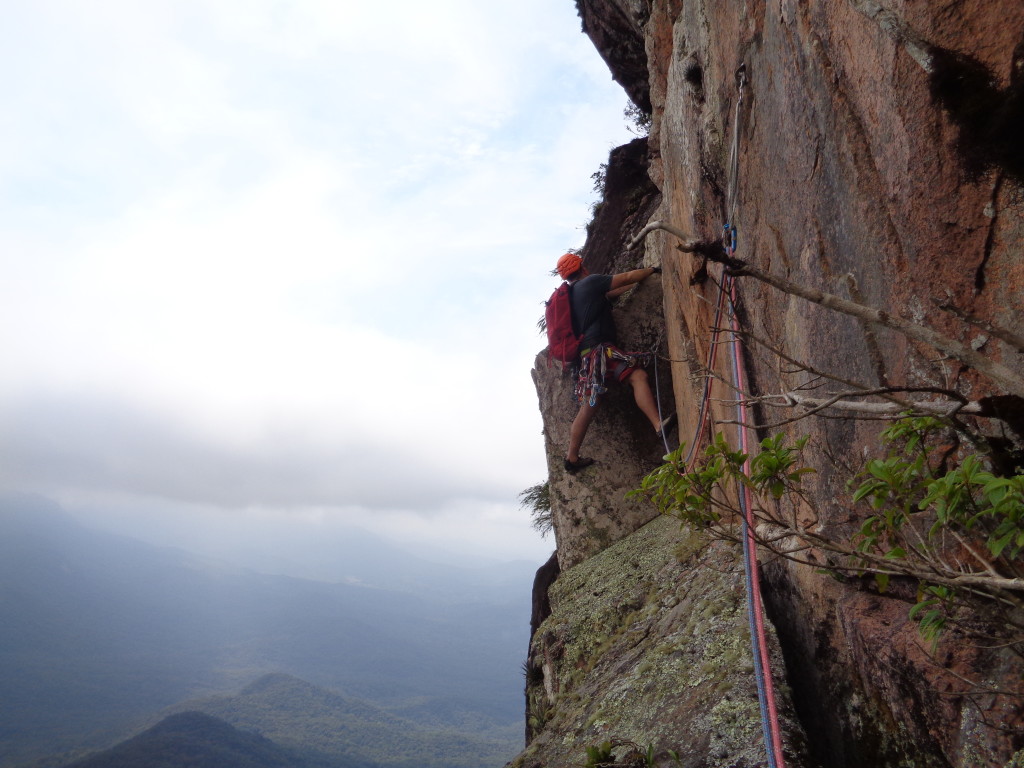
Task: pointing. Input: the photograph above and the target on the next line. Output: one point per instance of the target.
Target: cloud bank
(265, 257)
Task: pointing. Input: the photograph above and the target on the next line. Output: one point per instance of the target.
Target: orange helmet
(568, 264)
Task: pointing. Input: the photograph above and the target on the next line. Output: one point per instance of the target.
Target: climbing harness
(590, 379)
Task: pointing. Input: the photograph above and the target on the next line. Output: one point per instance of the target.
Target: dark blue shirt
(592, 312)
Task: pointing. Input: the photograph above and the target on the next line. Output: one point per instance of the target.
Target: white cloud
(281, 255)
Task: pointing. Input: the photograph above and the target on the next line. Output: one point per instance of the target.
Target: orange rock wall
(882, 142)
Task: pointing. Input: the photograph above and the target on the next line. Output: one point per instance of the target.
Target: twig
(984, 563)
(996, 372)
(874, 352)
(923, 406)
(1013, 339)
(655, 225)
(799, 364)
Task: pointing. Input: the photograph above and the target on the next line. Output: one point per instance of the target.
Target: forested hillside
(198, 741)
(281, 721)
(102, 633)
(326, 726)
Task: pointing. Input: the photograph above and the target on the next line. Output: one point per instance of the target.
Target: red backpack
(563, 341)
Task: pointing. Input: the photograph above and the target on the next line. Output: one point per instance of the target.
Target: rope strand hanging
(755, 607)
(727, 289)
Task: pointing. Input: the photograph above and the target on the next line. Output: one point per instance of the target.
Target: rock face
(647, 647)
(879, 156)
(617, 29)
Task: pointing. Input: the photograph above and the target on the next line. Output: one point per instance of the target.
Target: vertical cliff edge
(867, 150)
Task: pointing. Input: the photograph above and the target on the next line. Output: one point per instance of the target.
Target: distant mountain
(197, 740)
(325, 726)
(280, 721)
(99, 632)
(349, 555)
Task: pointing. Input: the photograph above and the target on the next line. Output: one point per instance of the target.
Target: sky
(279, 265)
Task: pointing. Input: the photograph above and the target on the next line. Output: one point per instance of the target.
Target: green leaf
(997, 546)
(921, 606)
(879, 469)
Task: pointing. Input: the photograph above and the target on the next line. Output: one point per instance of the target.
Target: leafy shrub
(954, 526)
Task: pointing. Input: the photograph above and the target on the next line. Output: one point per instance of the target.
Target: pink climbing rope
(705, 400)
(755, 606)
(755, 603)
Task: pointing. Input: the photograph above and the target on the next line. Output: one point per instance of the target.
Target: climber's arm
(622, 281)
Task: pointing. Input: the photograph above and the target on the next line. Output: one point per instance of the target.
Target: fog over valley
(271, 277)
(102, 633)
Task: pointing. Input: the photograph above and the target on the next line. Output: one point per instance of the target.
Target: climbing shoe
(572, 467)
(666, 425)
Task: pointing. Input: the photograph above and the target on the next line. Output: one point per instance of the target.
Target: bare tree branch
(1015, 340)
(935, 407)
(996, 372)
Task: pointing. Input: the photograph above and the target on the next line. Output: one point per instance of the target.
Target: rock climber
(592, 316)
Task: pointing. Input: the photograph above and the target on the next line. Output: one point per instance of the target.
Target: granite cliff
(879, 159)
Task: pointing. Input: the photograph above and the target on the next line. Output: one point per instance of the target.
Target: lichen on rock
(647, 648)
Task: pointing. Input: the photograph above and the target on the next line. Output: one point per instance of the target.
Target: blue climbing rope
(755, 608)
